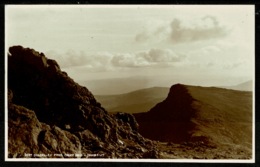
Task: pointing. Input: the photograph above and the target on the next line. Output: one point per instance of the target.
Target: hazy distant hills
(245, 86)
(114, 86)
(143, 100)
(205, 114)
(137, 101)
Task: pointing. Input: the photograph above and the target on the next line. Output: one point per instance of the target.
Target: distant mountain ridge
(115, 86)
(245, 86)
(133, 102)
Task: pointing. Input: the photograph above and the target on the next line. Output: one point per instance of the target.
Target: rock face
(51, 115)
(169, 119)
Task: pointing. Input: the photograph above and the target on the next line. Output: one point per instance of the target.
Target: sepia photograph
(130, 83)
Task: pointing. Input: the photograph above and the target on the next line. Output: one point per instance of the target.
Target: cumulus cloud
(147, 58)
(93, 62)
(177, 31)
(162, 55)
(129, 60)
(208, 30)
(108, 61)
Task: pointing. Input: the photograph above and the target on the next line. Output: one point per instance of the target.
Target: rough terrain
(50, 115)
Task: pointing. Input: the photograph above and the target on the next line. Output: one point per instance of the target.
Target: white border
(128, 160)
(116, 160)
(6, 91)
(253, 102)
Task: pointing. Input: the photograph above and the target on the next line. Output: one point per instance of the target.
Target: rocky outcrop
(51, 115)
(169, 119)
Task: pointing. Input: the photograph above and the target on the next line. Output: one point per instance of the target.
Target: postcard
(130, 83)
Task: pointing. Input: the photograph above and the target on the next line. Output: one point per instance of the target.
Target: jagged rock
(29, 136)
(151, 154)
(23, 131)
(49, 113)
(128, 118)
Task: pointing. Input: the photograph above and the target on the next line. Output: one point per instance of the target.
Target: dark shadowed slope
(48, 113)
(134, 102)
(209, 115)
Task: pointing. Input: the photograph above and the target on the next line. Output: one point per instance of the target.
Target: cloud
(208, 30)
(129, 60)
(178, 31)
(162, 55)
(108, 61)
(143, 36)
(92, 62)
(153, 57)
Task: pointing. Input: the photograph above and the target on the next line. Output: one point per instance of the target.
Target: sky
(207, 45)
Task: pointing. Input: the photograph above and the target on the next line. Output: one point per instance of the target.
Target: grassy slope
(224, 115)
(134, 102)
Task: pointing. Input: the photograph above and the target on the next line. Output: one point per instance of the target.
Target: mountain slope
(134, 102)
(198, 114)
(50, 114)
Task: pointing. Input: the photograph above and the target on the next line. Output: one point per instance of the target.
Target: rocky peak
(40, 85)
(50, 113)
(172, 117)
